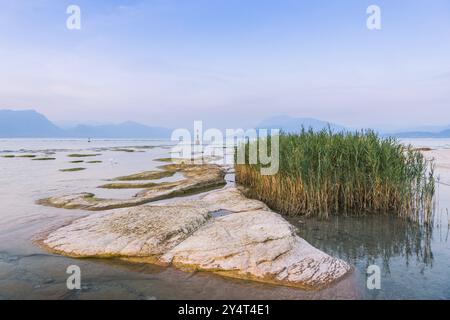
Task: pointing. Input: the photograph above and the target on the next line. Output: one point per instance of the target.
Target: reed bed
(348, 173)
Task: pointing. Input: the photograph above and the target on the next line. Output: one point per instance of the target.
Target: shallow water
(414, 264)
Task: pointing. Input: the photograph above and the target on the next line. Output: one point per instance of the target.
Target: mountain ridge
(423, 134)
(292, 125)
(31, 124)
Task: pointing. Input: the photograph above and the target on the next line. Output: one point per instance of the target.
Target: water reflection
(369, 239)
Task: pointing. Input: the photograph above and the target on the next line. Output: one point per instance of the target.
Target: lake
(414, 261)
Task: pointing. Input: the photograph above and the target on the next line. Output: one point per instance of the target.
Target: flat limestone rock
(72, 201)
(197, 178)
(231, 199)
(88, 201)
(228, 199)
(145, 231)
(257, 245)
(249, 242)
(108, 233)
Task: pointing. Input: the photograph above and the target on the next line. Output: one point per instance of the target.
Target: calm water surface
(415, 263)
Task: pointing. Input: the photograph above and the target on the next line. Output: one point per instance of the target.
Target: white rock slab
(144, 231)
(257, 245)
(250, 242)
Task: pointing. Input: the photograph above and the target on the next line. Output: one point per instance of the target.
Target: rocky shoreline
(197, 178)
(221, 231)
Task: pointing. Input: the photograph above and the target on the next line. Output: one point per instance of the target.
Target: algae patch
(197, 178)
(82, 155)
(128, 185)
(72, 169)
(123, 150)
(146, 175)
(164, 160)
(27, 156)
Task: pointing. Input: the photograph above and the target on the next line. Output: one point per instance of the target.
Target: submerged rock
(72, 169)
(249, 242)
(197, 178)
(128, 185)
(71, 201)
(43, 159)
(81, 155)
(146, 175)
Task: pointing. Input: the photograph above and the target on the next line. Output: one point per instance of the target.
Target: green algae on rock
(128, 185)
(197, 179)
(146, 175)
(43, 159)
(27, 156)
(123, 150)
(72, 169)
(164, 160)
(81, 155)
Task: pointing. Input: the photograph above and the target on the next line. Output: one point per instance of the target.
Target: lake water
(415, 263)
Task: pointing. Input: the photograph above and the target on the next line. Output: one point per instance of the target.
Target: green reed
(348, 173)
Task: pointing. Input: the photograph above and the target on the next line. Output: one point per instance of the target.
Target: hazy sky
(229, 62)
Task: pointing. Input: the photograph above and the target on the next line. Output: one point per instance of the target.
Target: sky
(230, 63)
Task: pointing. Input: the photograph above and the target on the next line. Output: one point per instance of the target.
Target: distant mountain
(423, 134)
(26, 124)
(432, 129)
(126, 130)
(31, 124)
(289, 124)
